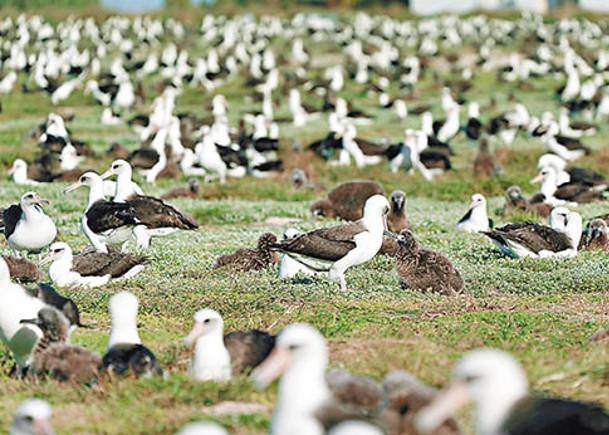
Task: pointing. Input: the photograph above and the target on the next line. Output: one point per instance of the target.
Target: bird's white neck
(124, 187)
(302, 390)
(211, 358)
(492, 412)
(96, 192)
(61, 267)
(124, 329)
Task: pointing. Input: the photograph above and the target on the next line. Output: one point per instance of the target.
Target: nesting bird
(192, 191)
(595, 236)
(336, 249)
(54, 357)
(218, 356)
(497, 386)
(346, 201)
(125, 353)
(22, 270)
(534, 205)
(422, 269)
(33, 417)
(90, 268)
(251, 259)
(26, 226)
(529, 239)
(476, 219)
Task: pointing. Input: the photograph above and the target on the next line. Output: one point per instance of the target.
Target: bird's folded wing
(535, 237)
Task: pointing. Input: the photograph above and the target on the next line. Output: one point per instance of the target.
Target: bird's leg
(343, 283)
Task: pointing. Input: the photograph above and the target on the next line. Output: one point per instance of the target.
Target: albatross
(126, 353)
(529, 239)
(26, 226)
(90, 268)
(337, 248)
(218, 356)
(104, 222)
(476, 219)
(497, 386)
(155, 217)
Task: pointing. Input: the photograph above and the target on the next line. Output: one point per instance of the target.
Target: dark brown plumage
(251, 259)
(247, 349)
(346, 201)
(484, 161)
(125, 358)
(117, 151)
(54, 357)
(595, 236)
(105, 215)
(114, 263)
(192, 191)
(22, 270)
(405, 396)
(353, 398)
(396, 220)
(154, 213)
(330, 244)
(532, 236)
(535, 205)
(422, 269)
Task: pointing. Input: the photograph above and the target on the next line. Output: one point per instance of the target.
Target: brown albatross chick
(192, 191)
(424, 270)
(250, 259)
(54, 357)
(396, 219)
(595, 236)
(405, 396)
(346, 201)
(484, 161)
(535, 205)
(22, 270)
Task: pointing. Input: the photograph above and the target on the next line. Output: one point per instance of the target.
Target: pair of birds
(129, 213)
(313, 401)
(527, 239)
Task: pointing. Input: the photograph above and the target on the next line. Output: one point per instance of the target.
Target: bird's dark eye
(28, 418)
(115, 167)
(471, 379)
(293, 347)
(206, 320)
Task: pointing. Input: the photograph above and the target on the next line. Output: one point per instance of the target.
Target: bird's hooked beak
(446, 404)
(72, 187)
(30, 322)
(196, 332)
(40, 200)
(273, 367)
(48, 259)
(109, 173)
(390, 234)
(537, 179)
(11, 171)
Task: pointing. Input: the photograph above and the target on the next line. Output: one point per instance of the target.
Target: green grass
(542, 311)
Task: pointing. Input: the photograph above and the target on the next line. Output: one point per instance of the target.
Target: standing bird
(17, 304)
(126, 354)
(336, 249)
(497, 386)
(54, 357)
(476, 219)
(33, 417)
(422, 269)
(484, 161)
(26, 226)
(288, 267)
(251, 259)
(104, 222)
(218, 356)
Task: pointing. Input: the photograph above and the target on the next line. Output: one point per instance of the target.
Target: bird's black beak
(390, 234)
(30, 321)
